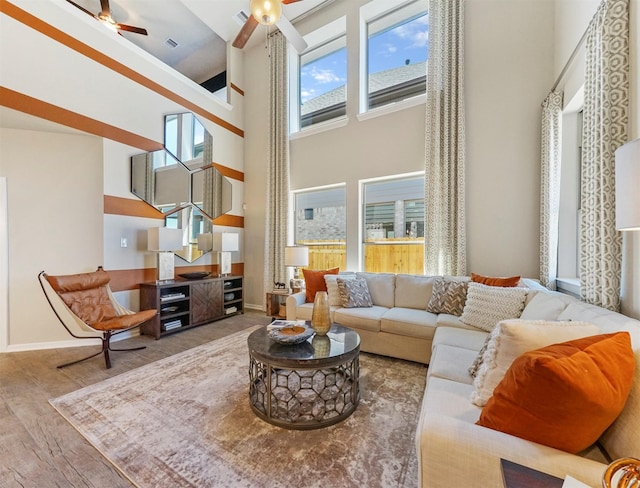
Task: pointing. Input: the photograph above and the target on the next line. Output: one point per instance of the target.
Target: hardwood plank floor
(38, 447)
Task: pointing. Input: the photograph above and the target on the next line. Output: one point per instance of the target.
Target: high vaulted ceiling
(200, 28)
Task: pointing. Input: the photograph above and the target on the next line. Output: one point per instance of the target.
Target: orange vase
(320, 317)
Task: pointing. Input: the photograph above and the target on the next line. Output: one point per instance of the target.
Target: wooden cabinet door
(206, 301)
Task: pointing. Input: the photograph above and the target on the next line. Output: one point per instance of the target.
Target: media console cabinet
(183, 304)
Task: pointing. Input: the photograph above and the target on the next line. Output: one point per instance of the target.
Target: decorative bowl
(291, 334)
(196, 275)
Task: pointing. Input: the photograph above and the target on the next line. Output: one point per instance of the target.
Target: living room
(77, 104)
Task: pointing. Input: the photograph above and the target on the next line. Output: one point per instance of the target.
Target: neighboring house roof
(377, 82)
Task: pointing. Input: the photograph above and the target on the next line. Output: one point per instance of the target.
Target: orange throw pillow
(488, 280)
(315, 281)
(564, 395)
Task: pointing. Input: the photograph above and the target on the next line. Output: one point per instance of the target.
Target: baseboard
(251, 306)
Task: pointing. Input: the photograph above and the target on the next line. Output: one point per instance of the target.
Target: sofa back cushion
(622, 439)
(381, 287)
(413, 291)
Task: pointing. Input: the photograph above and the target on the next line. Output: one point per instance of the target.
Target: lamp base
(166, 266)
(224, 260)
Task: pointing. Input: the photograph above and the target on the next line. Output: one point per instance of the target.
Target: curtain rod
(571, 58)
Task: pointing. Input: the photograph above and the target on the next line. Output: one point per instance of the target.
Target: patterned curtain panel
(277, 205)
(550, 187)
(605, 118)
(445, 239)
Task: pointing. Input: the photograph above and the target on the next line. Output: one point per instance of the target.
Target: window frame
(324, 36)
(397, 13)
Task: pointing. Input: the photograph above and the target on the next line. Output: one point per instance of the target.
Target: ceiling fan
(269, 12)
(105, 17)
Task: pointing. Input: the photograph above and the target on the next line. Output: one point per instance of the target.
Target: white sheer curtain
(605, 119)
(550, 187)
(277, 204)
(445, 236)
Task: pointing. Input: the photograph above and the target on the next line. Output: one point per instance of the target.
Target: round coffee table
(304, 386)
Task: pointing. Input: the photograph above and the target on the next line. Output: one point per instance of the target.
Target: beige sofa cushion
(413, 291)
(381, 288)
(544, 306)
(409, 322)
(455, 336)
(452, 363)
(361, 318)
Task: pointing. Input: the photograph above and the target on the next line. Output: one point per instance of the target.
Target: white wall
(54, 184)
(509, 69)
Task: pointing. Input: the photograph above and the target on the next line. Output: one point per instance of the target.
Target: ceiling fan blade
(245, 33)
(81, 8)
(291, 34)
(130, 28)
(106, 10)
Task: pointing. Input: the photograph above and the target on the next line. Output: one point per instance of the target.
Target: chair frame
(104, 335)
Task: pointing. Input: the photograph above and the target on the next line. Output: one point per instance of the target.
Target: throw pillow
(448, 296)
(564, 395)
(332, 287)
(510, 339)
(354, 293)
(488, 280)
(477, 362)
(543, 306)
(314, 280)
(488, 305)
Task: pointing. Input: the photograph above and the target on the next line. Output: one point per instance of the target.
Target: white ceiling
(201, 29)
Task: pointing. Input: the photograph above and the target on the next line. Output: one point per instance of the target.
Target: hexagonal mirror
(187, 140)
(192, 223)
(160, 180)
(210, 192)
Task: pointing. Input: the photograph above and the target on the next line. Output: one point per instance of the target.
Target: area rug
(186, 421)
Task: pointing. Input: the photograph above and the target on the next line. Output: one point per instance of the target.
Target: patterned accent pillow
(448, 296)
(487, 305)
(354, 293)
(477, 362)
(332, 287)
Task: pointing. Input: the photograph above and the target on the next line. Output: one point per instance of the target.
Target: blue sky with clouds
(388, 49)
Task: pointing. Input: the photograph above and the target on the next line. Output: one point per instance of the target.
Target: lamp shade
(628, 186)
(296, 256)
(225, 241)
(164, 239)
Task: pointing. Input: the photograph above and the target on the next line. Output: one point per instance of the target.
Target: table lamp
(295, 257)
(627, 184)
(164, 241)
(225, 243)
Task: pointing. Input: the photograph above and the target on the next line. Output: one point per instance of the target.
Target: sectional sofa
(453, 450)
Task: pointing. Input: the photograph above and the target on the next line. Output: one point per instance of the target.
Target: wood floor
(38, 448)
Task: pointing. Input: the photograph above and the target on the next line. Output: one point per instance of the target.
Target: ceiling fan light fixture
(266, 12)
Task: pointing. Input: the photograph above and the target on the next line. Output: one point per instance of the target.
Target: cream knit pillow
(512, 338)
(488, 305)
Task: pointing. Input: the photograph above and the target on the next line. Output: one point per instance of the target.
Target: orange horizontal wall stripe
(24, 103)
(48, 30)
(238, 89)
(229, 172)
(130, 207)
(137, 208)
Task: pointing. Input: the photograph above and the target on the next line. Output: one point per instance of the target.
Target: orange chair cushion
(488, 280)
(564, 395)
(78, 282)
(125, 321)
(314, 280)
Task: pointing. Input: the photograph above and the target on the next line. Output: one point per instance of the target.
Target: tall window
(397, 48)
(393, 220)
(321, 224)
(319, 76)
(323, 90)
